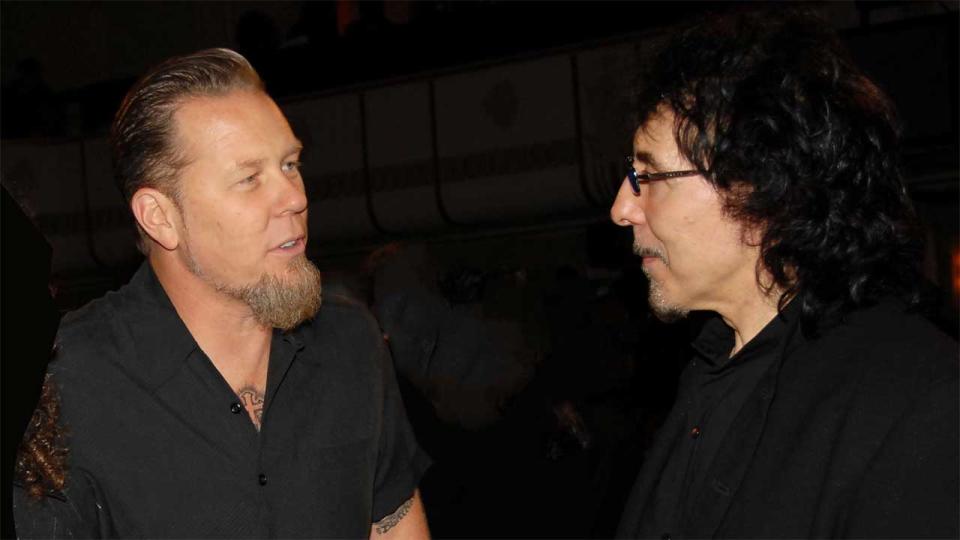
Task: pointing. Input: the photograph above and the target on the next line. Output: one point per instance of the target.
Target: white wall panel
(606, 114)
(400, 146)
(505, 106)
(507, 151)
(333, 162)
(506, 139)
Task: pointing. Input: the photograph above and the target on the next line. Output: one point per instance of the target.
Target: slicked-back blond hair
(145, 153)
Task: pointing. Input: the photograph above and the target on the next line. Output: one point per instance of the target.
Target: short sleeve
(400, 461)
(77, 512)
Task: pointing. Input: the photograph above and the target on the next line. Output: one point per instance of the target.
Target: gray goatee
(662, 308)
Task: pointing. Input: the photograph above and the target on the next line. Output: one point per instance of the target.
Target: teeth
(288, 244)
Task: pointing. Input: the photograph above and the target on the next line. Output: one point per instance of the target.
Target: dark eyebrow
(257, 163)
(647, 158)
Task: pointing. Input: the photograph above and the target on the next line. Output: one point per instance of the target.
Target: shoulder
(89, 319)
(886, 354)
(97, 353)
(348, 328)
(89, 338)
(895, 339)
(348, 318)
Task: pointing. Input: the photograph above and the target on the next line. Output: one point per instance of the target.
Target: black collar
(716, 339)
(161, 341)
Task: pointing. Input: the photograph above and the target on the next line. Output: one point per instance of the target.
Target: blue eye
(292, 166)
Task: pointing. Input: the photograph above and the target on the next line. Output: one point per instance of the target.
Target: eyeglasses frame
(637, 179)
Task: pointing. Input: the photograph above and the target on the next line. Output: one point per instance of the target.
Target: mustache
(642, 251)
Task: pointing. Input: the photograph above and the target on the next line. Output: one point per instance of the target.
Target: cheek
(226, 235)
(240, 223)
(688, 239)
(671, 226)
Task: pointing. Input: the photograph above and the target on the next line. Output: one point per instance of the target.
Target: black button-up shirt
(850, 433)
(719, 385)
(157, 448)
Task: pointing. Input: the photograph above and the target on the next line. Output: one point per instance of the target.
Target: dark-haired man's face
(693, 254)
(244, 210)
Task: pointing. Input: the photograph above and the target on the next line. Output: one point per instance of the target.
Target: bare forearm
(409, 521)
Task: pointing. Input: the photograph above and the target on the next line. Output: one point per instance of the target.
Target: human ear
(157, 216)
(752, 236)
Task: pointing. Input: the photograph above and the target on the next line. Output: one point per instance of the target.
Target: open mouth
(292, 245)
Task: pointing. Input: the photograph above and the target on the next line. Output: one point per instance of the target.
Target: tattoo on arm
(390, 521)
(252, 399)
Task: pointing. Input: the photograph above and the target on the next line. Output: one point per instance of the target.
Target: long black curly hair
(801, 145)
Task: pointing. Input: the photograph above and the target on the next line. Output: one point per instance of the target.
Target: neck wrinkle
(223, 327)
(750, 317)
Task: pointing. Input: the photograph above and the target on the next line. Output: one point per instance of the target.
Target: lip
(299, 246)
(650, 259)
(646, 253)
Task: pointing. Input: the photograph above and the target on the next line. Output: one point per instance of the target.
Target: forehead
(230, 126)
(657, 133)
(655, 143)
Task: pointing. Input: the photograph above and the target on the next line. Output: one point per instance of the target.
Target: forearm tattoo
(390, 521)
(252, 399)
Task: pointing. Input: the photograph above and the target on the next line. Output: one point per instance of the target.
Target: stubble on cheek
(660, 304)
(662, 307)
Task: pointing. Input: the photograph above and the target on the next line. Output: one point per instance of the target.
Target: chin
(663, 307)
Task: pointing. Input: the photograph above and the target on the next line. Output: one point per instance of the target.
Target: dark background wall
(65, 67)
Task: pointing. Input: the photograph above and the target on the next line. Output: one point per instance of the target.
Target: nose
(293, 197)
(627, 209)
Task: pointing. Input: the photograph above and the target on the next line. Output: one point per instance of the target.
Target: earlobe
(752, 234)
(156, 215)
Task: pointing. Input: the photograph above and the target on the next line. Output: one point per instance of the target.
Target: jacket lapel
(639, 503)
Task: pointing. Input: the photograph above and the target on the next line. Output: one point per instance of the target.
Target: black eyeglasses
(636, 179)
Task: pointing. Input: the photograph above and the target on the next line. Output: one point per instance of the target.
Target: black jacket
(850, 434)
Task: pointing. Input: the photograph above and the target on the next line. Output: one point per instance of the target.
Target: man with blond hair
(213, 395)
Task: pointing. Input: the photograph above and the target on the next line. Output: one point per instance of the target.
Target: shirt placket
(283, 350)
(245, 432)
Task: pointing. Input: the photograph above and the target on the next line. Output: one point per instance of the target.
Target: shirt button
(235, 408)
(695, 432)
(262, 479)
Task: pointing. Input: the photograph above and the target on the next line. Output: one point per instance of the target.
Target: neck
(749, 316)
(223, 327)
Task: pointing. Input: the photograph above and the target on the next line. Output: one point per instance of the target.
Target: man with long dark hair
(212, 395)
(764, 187)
